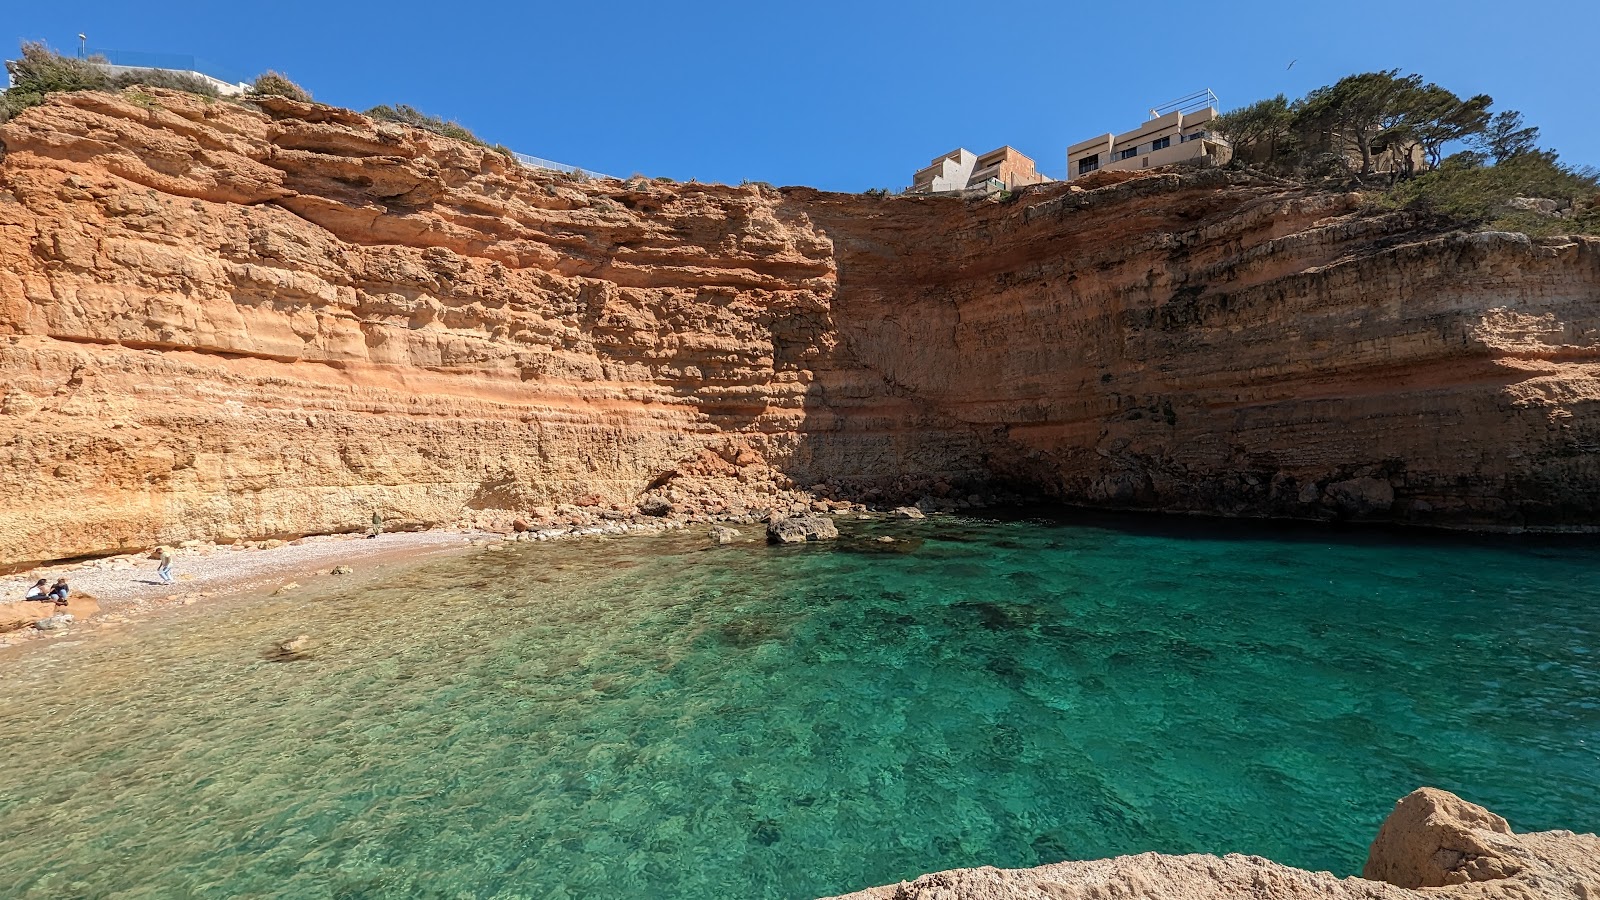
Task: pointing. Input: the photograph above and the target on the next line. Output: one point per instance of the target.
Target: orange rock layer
(222, 322)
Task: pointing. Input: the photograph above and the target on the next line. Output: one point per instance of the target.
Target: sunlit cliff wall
(221, 322)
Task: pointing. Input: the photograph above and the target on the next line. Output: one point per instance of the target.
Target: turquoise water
(646, 718)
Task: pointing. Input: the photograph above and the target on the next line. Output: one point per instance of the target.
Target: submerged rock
(800, 529)
(722, 534)
(287, 651)
(342, 570)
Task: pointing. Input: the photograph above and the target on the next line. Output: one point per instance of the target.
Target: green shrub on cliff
(1506, 196)
(407, 115)
(159, 78)
(276, 84)
(39, 71)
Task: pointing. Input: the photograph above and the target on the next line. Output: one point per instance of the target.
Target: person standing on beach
(377, 524)
(164, 567)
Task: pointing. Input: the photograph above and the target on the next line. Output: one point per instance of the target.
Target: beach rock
(1434, 840)
(1362, 497)
(655, 507)
(342, 570)
(520, 525)
(801, 529)
(909, 512)
(288, 587)
(53, 623)
(886, 540)
(721, 534)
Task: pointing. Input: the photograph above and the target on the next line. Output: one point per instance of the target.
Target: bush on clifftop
(158, 78)
(1498, 196)
(276, 84)
(402, 114)
(40, 71)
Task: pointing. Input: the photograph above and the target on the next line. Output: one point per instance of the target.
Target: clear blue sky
(847, 95)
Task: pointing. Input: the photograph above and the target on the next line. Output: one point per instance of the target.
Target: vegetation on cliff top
(403, 114)
(1398, 125)
(39, 71)
(276, 84)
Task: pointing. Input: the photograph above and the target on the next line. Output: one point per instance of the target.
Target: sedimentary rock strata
(1433, 840)
(220, 322)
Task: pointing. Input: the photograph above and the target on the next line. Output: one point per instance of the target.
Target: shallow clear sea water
(642, 717)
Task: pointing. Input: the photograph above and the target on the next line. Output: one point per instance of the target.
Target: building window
(1161, 143)
(1088, 164)
(1129, 153)
(1194, 137)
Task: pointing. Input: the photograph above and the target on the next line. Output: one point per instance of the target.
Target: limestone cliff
(219, 322)
(1434, 845)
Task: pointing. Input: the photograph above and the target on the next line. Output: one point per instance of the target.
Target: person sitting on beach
(40, 591)
(59, 591)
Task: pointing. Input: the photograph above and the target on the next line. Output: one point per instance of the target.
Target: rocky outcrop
(801, 530)
(1433, 840)
(223, 322)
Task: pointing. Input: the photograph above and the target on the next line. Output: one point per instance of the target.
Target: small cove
(642, 717)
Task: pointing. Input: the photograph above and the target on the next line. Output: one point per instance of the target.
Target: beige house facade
(1175, 133)
(1003, 168)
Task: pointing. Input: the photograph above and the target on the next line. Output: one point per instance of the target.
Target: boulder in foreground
(1433, 839)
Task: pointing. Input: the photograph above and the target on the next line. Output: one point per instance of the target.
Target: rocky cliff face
(1434, 845)
(223, 322)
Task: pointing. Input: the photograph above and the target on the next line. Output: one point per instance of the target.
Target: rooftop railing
(550, 165)
(182, 62)
(1187, 104)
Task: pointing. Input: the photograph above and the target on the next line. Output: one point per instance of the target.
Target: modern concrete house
(1002, 169)
(1176, 132)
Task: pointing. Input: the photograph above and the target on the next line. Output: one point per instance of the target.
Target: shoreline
(125, 587)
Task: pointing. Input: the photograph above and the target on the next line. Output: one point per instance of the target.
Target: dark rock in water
(766, 832)
(800, 529)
